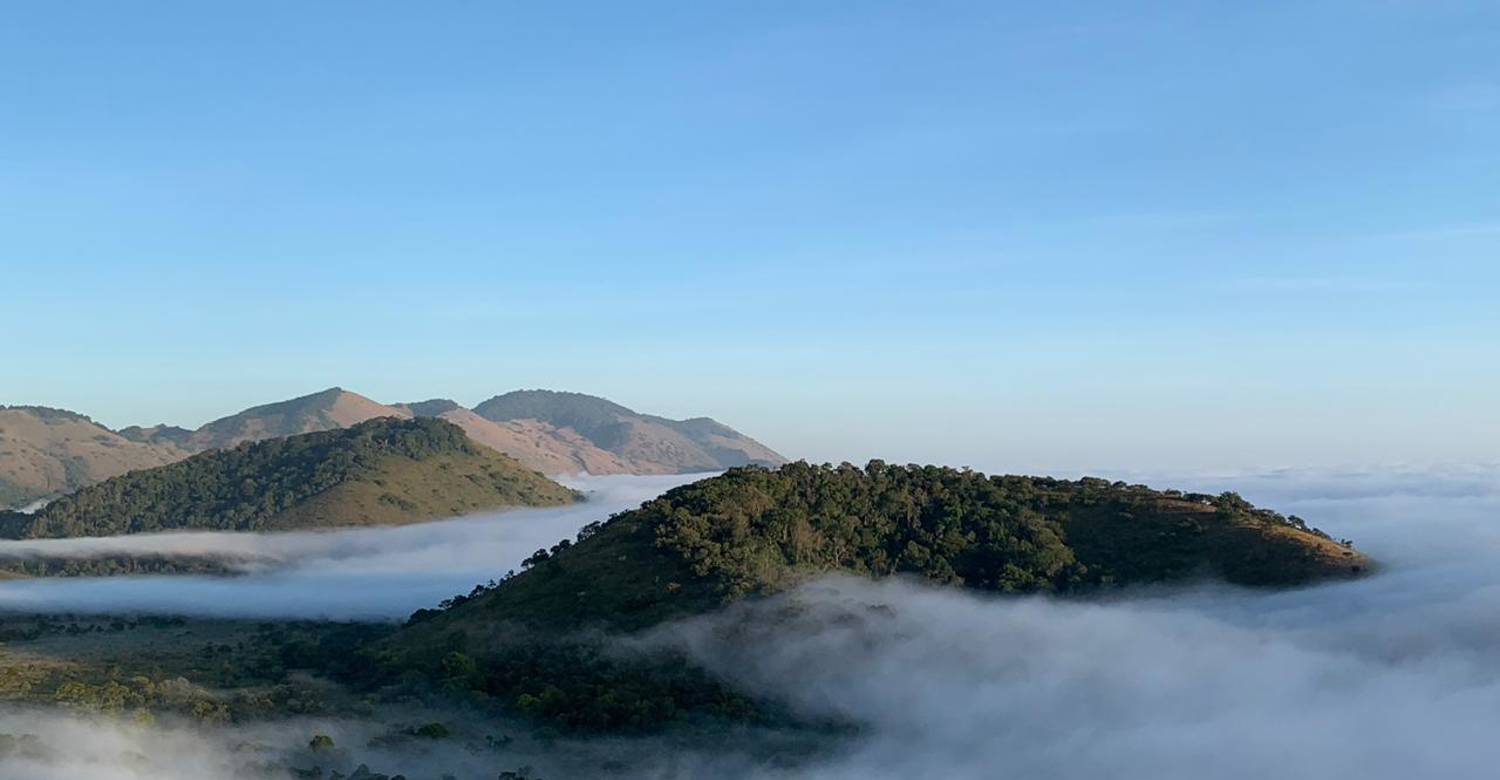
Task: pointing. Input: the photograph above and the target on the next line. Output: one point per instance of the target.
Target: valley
(575, 640)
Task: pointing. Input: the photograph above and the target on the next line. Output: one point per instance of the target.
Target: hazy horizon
(1011, 236)
(1119, 465)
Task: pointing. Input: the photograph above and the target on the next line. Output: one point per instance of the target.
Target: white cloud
(366, 573)
(1393, 676)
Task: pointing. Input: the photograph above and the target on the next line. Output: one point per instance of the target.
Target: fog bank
(1393, 676)
(364, 573)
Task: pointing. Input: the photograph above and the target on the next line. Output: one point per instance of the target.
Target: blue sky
(1018, 236)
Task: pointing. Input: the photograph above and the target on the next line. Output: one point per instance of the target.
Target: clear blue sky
(1010, 235)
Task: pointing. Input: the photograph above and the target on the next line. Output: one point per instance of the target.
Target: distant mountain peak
(48, 412)
(432, 407)
(380, 471)
(320, 411)
(48, 452)
(650, 444)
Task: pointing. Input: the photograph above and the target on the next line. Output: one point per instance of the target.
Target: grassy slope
(647, 444)
(403, 490)
(380, 471)
(326, 410)
(47, 452)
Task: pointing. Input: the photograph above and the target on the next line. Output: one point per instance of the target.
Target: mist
(1391, 676)
(355, 574)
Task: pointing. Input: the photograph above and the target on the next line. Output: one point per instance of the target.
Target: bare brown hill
(646, 444)
(536, 444)
(48, 452)
(325, 411)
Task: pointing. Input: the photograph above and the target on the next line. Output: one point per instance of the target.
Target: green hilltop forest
(383, 471)
(525, 641)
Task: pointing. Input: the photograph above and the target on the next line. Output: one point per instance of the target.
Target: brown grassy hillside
(47, 452)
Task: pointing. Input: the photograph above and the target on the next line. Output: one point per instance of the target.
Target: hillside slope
(754, 532)
(47, 452)
(536, 444)
(327, 410)
(646, 444)
(531, 642)
(377, 472)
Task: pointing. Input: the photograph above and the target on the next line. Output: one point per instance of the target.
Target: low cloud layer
(1392, 676)
(365, 574)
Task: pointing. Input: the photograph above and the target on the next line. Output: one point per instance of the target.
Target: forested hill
(756, 531)
(377, 472)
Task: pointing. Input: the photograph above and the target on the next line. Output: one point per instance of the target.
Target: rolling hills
(327, 410)
(541, 446)
(645, 443)
(45, 452)
(382, 471)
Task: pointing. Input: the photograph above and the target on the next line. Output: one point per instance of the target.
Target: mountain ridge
(378, 472)
(647, 443)
(47, 452)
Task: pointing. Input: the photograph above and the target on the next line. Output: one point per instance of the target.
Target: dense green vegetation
(756, 531)
(383, 470)
(143, 667)
(567, 682)
(752, 532)
(527, 645)
(115, 566)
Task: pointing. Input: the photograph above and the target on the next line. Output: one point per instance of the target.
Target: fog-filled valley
(1393, 675)
(750, 391)
(378, 573)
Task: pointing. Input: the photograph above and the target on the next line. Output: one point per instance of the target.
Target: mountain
(540, 446)
(382, 471)
(330, 409)
(434, 407)
(160, 434)
(533, 641)
(753, 532)
(646, 444)
(47, 452)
